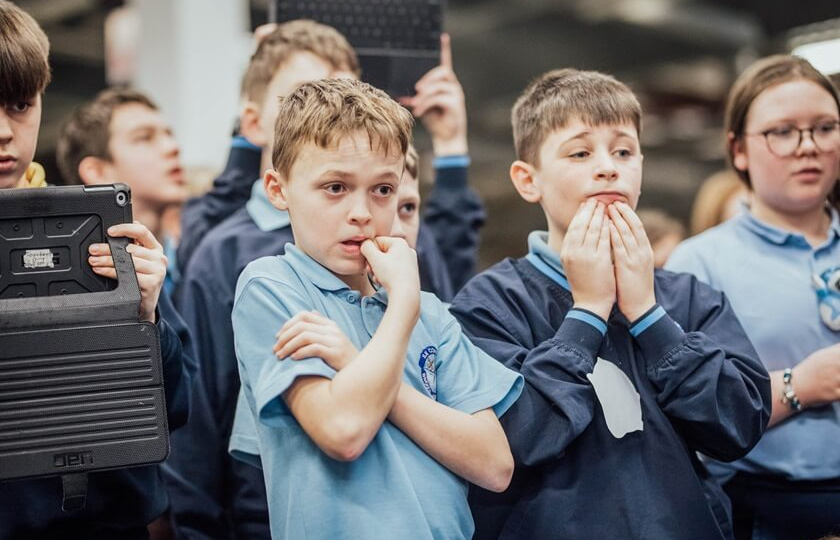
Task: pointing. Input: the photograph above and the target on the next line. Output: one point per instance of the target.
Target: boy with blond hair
(380, 409)
(211, 492)
(119, 503)
(630, 371)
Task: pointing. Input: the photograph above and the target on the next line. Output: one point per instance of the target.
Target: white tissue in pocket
(619, 398)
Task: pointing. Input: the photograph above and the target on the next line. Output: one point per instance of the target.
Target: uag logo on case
(72, 459)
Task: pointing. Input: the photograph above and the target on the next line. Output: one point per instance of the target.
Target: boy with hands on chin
(629, 372)
(383, 409)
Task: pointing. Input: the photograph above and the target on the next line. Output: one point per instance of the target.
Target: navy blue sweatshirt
(230, 191)
(119, 502)
(702, 389)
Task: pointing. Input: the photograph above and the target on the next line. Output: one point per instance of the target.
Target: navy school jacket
(230, 191)
(702, 389)
(118, 501)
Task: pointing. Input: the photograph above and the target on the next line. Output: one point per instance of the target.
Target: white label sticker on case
(38, 258)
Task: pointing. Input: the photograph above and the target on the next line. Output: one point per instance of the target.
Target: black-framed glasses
(783, 141)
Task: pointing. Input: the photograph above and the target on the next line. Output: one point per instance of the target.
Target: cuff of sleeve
(166, 333)
(647, 320)
(450, 174)
(660, 336)
(581, 332)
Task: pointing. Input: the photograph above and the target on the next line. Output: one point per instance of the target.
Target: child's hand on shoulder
(586, 259)
(394, 265)
(149, 263)
(633, 258)
(309, 334)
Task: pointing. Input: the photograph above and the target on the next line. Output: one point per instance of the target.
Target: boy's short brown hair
(323, 112)
(291, 37)
(87, 131)
(559, 96)
(24, 55)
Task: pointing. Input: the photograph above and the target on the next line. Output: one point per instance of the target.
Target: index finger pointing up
(445, 51)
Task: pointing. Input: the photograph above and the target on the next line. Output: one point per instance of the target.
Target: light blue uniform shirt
(394, 489)
(767, 274)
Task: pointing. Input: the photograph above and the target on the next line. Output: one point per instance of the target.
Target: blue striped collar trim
(548, 270)
(545, 260)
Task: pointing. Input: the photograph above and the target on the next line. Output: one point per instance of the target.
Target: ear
(739, 153)
(522, 175)
(94, 170)
(275, 188)
(250, 124)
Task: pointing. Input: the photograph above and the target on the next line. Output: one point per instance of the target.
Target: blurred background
(679, 56)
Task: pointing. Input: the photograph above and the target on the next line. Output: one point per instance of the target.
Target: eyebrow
(617, 132)
(145, 127)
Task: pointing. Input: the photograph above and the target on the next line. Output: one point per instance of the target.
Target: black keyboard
(375, 24)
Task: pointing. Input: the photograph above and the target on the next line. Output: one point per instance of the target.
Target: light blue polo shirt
(394, 489)
(766, 273)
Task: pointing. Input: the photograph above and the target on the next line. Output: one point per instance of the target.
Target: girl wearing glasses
(779, 264)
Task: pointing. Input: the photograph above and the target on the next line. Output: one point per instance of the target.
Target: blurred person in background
(719, 198)
(664, 233)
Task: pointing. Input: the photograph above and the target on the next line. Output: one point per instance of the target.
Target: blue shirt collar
(265, 215)
(545, 259)
(319, 275)
(779, 236)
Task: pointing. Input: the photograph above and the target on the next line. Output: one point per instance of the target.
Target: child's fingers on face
(604, 241)
(634, 223)
(627, 236)
(593, 230)
(617, 242)
(580, 222)
(370, 249)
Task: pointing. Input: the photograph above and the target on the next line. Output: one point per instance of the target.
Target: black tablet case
(81, 385)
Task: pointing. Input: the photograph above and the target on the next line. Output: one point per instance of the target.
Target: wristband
(788, 394)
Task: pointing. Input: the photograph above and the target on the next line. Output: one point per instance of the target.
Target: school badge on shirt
(827, 286)
(427, 370)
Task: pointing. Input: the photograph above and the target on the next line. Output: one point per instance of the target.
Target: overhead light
(819, 44)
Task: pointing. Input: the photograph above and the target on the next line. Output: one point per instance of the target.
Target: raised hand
(310, 334)
(586, 259)
(149, 263)
(440, 105)
(633, 260)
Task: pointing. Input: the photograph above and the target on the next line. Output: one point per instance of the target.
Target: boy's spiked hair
(288, 38)
(24, 56)
(323, 112)
(87, 131)
(555, 98)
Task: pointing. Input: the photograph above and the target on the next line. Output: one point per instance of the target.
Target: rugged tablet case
(81, 385)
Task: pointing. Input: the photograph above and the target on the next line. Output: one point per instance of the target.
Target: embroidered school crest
(827, 286)
(427, 370)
